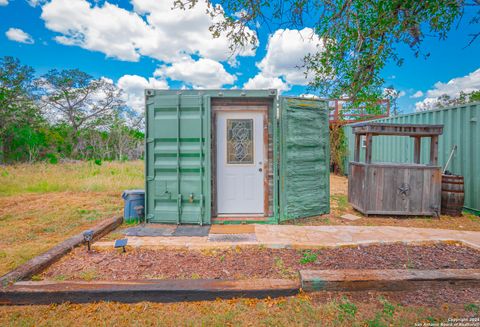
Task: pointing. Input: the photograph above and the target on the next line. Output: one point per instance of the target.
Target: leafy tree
(77, 99)
(359, 36)
(80, 117)
(17, 108)
(446, 101)
(26, 143)
(392, 95)
(474, 96)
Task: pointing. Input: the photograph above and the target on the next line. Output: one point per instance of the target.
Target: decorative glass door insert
(240, 141)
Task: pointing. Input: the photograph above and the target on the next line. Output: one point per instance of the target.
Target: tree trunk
(1, 151)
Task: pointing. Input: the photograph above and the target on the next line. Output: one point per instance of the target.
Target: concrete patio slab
(233, 238)
(351, 217)
(191, 231)
(290, 236)
(149, 231)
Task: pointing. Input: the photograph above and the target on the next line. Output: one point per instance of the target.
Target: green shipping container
(461, 128)
(235, 156)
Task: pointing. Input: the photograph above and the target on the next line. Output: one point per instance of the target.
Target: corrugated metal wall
(461, 128)
(304, 161)
(177, 158)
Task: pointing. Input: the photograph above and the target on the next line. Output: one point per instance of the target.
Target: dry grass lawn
(43, 178)
(41, 204)
(300, 310)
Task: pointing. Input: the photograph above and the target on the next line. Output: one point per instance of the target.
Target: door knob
(260, 169)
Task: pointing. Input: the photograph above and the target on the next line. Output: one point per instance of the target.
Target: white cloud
(286, 51)
(3, 2)
(452, 88)
(281, 66)
(151, 29)
(186, 30)
(401, 94)
(134, 87)
(109, 29)
(263, 82)
(35, 3)
(309, 96)
(417, 95)
(203, 73)
(240, 14)
(17, 35)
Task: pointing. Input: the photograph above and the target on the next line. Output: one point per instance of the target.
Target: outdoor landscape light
(121, 244)
(88, 237)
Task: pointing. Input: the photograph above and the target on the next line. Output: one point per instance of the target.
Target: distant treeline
(64, 115)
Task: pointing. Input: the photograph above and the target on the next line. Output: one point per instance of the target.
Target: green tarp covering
(305, 148)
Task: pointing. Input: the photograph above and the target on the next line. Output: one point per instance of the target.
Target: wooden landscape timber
(387, 279)
(44, 260)
(45, 292)
(49, 292)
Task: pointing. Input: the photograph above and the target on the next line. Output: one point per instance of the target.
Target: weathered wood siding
(461, 128)
(397, 189)
(356, 185)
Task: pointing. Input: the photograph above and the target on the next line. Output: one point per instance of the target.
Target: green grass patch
(89, 274)
(284, 271)
(341, 200)
(472, 307)
(346, 310)
(472, 217)
(308, 257)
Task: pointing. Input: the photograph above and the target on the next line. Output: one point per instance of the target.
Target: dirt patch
(254, 262)
(338, 184)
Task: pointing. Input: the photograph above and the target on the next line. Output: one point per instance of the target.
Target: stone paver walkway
(289, 236)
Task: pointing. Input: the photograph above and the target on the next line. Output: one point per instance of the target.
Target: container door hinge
(149, 140)
(150, 178)
(202, 210)
(179, 208)
(148, 218)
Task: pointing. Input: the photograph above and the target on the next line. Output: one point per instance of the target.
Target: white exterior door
(240, 163)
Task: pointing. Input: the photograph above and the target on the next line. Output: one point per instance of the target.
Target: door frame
(240, 106)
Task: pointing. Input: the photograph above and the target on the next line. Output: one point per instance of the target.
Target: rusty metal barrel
(453, 195)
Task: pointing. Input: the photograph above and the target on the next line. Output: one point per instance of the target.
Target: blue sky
(139, 43)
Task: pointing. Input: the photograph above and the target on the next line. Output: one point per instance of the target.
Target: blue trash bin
(134, 205)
